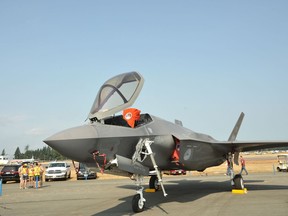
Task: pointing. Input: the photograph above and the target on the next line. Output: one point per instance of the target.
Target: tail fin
(178, 122)
(233, 136)
(236, 128)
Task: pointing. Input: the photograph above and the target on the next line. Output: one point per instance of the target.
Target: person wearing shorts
(24, 176)
(31, 175)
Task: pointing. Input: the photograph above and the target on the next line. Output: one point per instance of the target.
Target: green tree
(26, 148)
(46, 153)
(28, 154)
(17, 154)
(3, 152)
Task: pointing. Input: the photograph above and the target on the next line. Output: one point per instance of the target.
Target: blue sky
(203, 62)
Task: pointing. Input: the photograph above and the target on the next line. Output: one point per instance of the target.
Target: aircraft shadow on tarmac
(182, 191)
(254, 187)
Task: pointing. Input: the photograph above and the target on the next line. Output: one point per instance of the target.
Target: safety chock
(237, 191)
(150, 190)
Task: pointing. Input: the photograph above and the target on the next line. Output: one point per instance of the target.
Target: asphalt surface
(187, 195)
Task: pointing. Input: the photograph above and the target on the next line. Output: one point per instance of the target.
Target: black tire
(136, 204)
(153, 183)
(66, 177)
(238, 182)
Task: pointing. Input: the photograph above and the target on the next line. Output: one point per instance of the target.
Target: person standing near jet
(21, 176)
(230, 171)
(37, 173)
(31, 175)
(41, 175)
(24, 176)
(243, 165)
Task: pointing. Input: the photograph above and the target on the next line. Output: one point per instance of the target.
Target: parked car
(85, 173)
(57, 170)
(10, 173)
(282, 162)
(175, 172)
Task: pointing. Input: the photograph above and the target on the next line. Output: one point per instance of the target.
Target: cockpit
(120, 121)
(116, 95)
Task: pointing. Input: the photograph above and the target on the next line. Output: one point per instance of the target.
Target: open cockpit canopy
(116, 94)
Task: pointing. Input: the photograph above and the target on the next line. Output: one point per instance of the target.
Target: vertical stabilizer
(236, 128)
(178, 122)
(234, 134)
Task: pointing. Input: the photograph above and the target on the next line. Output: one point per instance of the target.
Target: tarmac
(187, 195)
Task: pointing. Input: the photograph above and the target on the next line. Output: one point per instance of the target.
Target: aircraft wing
(242, 146)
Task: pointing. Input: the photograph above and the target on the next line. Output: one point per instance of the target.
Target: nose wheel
(138, 203)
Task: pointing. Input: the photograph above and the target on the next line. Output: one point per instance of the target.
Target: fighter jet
(117, 137)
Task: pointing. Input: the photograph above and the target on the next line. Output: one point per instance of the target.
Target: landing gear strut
(236, 180)
(143, 150)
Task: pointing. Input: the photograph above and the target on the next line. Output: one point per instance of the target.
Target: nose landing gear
(138, 201)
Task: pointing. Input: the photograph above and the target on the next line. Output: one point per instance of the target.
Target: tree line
(44, 154)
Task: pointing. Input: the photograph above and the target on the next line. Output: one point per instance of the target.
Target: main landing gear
(154, 183)
(238, 182)
(143, 149)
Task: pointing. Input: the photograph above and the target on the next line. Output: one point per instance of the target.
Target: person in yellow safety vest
(41, 175)
(24, 176)
(31, 175)
(37, 171)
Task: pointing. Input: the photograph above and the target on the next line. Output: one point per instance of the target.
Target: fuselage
(100, 142)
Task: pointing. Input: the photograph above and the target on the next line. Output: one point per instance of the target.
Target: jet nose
(74, 143)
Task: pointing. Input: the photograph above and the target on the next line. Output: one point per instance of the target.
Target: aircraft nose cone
(74, 143)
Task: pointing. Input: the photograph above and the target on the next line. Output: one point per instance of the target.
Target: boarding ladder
(143, 149)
